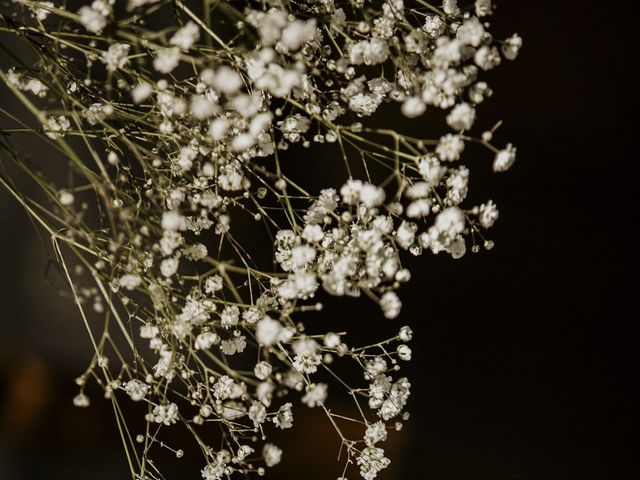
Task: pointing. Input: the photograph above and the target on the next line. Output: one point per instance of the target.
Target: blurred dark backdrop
(523, 356)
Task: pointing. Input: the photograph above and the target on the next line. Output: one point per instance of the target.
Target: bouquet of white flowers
(173, 120)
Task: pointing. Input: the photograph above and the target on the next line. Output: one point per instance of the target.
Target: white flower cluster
(358, 253)
(186, 127)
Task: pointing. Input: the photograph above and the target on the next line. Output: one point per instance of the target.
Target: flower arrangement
(173, 118)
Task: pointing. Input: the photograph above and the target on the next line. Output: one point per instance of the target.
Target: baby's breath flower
(376, 432)
(284, 417)
(461, 117)
(450, 147)
(257, 413)
(116, 56)
(272, 454)
(267, 331)
(130, 281)
(166, 414)
(141, 92)
(205, 340)
(504, 159)
(471, 32)
(511, 47)
(136, 389)
(66, 198)
(405, 334)
(371, 461)
(186, 36)
(169, 266)
(81, 400)
(57, 126)
(223, 387)
(316, 395)
(413, 107)
(233, 345)
(483, 8)
(263, 370)
(488, 214)
(94, 18)
(166, 60)
(214, 471)
(390, 304)
(41, 11)
(404, 352)
(180, 159)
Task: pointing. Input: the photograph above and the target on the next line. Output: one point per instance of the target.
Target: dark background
(524, 357)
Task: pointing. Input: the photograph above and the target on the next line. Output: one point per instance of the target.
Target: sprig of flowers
(178, 131)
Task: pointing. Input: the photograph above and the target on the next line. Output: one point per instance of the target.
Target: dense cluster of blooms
(179, 129)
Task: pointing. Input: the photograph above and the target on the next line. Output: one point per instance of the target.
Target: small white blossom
(371, 461)
(136, 389)
(488, 214)
(223, 388)
(169, 266)
(369, 52)
(404, 352)
(483, 8)
(141, 92)
(371, 195)
(297, 33)
(130, 281)
(213, 284)
(390, 304)
(166, 60)
(243, 452)
(172, 221)
(284, 417)
(234, 345)
(149, 331)
(461, 117)
(205, 340)
(512, 46)
(487, 57)
(419, 208)
(504, 159)
(267, 331)
(272, 454)
(376, 432)
(166, 414)
(213, 472)
(316, 395)
(405, 334)
(66, 198)
(413, 107)
(186, 36)
(81, 400)
(226, 80)
(471, 32)
(116, 56)
(332, 340)
(230, 316)
(262, 370)
(450, 147)
(450, 7)
(42, 13)
(94, 17)
(57, 126)
(257, 413)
